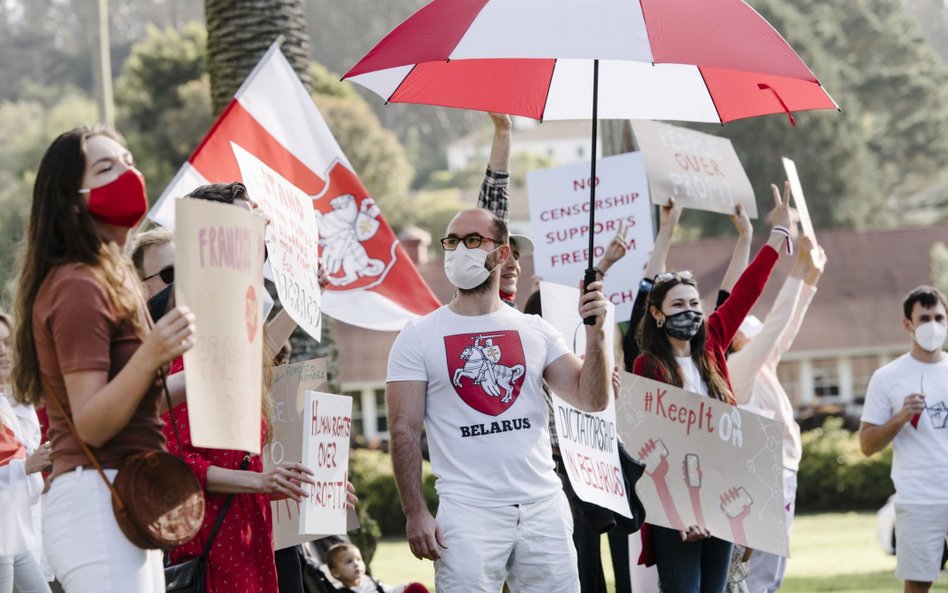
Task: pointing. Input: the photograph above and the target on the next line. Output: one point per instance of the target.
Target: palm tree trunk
(240, 31)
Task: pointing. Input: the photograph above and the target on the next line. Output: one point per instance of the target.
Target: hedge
(370, 471)
(836, 476)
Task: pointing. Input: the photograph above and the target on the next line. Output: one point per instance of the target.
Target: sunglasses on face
(166, 274)
(683, 276)
(472, 241)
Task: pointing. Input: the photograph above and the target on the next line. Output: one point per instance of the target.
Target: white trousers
(529, 545)
(21, 573)
(84, 544)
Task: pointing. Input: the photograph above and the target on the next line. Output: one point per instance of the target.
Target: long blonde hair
(60, 232)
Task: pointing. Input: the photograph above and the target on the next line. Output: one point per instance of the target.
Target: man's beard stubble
(484, 286)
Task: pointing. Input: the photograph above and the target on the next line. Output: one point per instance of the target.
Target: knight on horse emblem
(482, 364)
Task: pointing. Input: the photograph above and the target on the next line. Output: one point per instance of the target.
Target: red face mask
(122, 202)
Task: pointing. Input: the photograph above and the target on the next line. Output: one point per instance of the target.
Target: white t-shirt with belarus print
(485, 414)
(920, 449)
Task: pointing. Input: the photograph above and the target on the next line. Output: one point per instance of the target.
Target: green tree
(163, 101)
(28, 126)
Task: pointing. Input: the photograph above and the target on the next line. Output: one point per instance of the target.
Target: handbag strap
(220, 515)
(117, 500)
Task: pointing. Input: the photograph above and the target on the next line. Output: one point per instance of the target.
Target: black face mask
(684, 325)
(158, 303)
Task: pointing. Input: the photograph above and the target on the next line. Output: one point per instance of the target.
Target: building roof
(858, 305)
(541, 132)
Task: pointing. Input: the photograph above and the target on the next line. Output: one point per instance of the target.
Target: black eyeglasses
(683, 276)
(166, 274)
(472, 241)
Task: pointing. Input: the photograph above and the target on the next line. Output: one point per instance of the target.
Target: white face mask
(465, 267)
(931, 336)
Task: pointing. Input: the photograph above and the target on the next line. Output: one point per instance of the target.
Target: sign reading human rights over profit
(286, 439)
(699, 170)
(587, 440)
(559, 218)
(327, 425)
(220, 246)
(708, 463)
(292, 239)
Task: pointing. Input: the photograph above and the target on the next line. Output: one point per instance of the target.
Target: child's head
(345, 563)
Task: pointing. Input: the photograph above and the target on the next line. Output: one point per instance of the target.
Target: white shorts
(529, 545)
(84, 544)
(920, 531)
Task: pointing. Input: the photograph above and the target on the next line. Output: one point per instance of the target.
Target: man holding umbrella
(471, 374)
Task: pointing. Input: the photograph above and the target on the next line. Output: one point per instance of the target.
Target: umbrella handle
(588, 279)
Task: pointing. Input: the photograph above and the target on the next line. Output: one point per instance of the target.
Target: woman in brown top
(85, 338)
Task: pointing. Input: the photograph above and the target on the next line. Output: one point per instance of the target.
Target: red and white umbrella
(692, 60)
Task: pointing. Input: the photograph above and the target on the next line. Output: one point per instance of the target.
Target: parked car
(885, 530)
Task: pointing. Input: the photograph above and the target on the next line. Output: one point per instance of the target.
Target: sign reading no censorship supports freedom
(220, 246)
(699, 170)
(292, 239)
(708, 463)
(326, 429)
(559, 217)
(587, 440)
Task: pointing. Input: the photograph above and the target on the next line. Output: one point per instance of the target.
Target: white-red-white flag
(374, 284)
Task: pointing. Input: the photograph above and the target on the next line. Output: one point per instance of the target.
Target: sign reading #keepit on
(706, 463)
(219, 273)
(326, 430)
(292, 239)
(559, 218)
(699, 170)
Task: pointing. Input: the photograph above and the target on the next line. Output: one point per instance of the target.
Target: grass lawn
(830, 552)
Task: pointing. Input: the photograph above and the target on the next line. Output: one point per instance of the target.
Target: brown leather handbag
(157, 500)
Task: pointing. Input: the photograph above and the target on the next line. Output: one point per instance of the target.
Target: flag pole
(590, 276)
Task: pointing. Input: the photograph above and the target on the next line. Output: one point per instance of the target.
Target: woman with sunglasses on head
(682, 348)
(85, 344)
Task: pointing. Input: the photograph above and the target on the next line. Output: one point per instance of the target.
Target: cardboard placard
(559, 219)
(219, 276)
(290, 383)
(327, 426)
(799, 202)
(706, 463)
(587, 440)
(699, 170)
(292, 239)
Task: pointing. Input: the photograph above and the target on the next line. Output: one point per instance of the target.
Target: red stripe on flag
(214, 159)
(723, 34)
(738, 95)
(401, 283)
(432, 33)
(514, 86)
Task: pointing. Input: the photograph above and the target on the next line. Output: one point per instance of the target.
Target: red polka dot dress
(242, 556)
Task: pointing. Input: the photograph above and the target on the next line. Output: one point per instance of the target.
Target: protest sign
(219, 276)
(292, 239)
(327, 424)
(559, 218)
(587, 440)
(286, 439)
(699, 170)
(818, 256)
(707, 463)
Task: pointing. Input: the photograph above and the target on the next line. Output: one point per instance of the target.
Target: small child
(346, 565)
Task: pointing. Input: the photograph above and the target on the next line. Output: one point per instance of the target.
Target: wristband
(600, 272)
(782, 230)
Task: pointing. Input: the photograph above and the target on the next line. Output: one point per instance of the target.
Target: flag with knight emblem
(373, 283)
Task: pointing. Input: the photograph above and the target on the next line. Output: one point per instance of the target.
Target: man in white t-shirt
(472, 373)
(907, 405)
